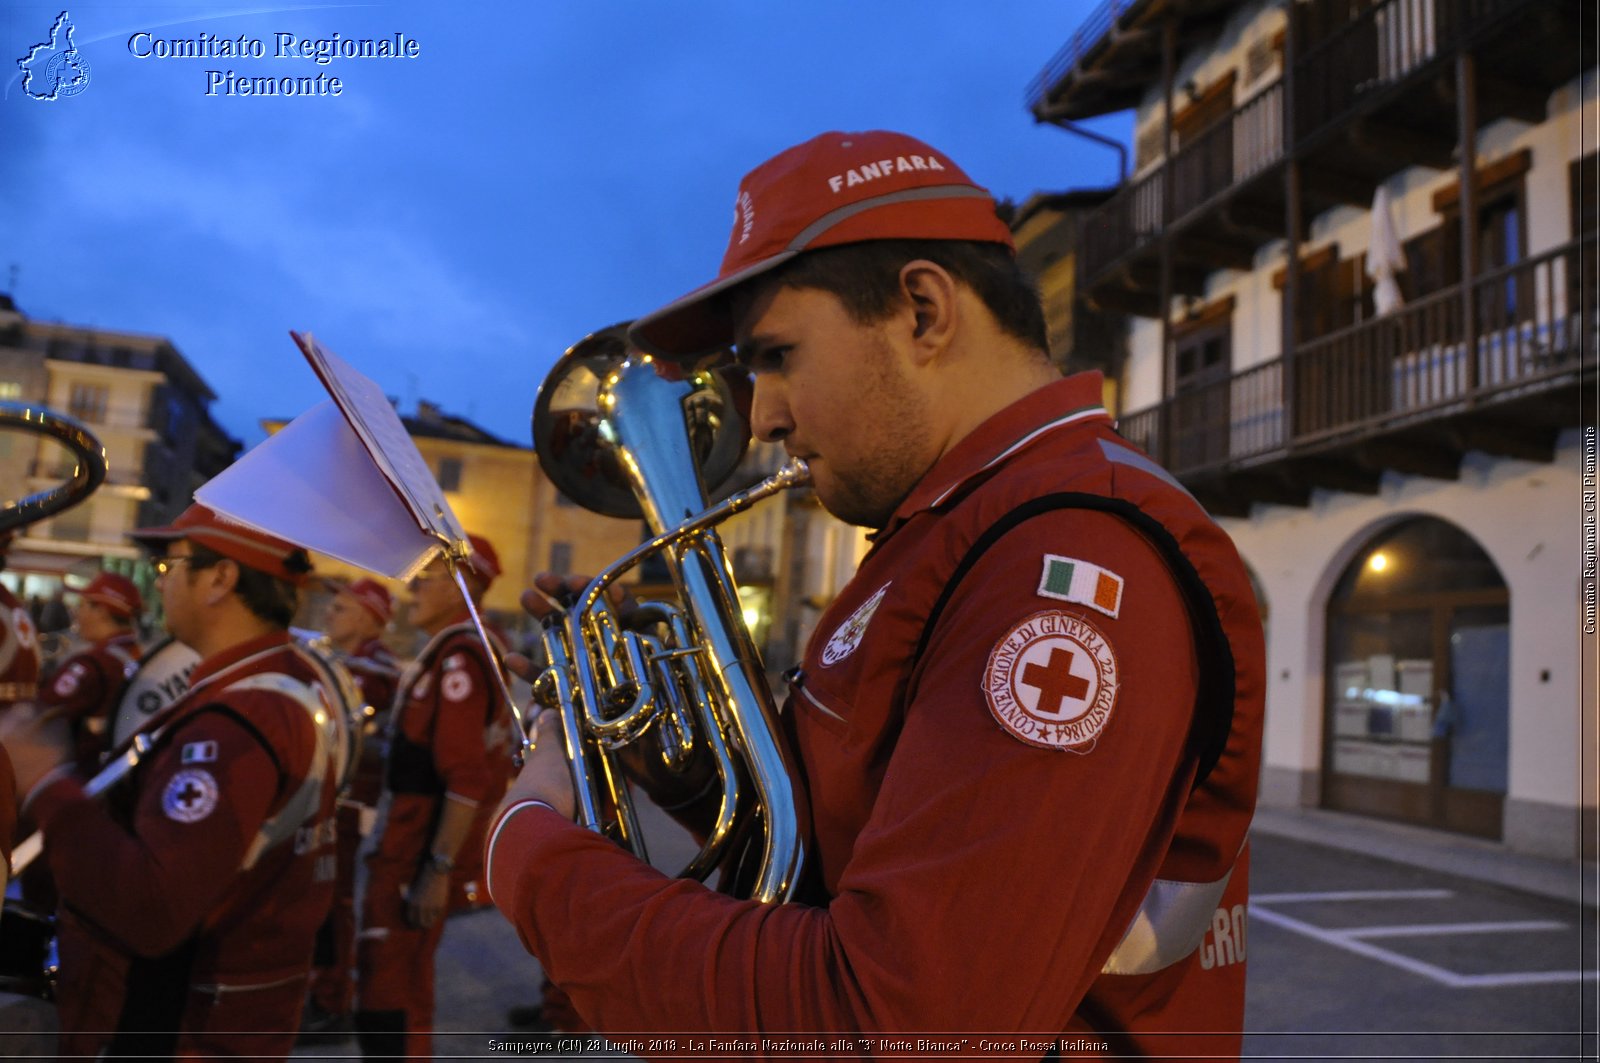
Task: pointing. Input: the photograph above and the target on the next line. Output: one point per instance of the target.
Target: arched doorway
(1418, 682)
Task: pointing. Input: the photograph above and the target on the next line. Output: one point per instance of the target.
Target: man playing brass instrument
(1026, 733)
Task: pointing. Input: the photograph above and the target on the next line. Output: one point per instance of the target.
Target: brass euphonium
(88, 473)
(672, 691)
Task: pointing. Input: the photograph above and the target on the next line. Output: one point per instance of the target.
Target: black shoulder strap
(1213, 715)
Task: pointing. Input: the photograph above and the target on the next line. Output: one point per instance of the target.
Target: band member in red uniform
(190, 897)
(450, 749)
(357, 616)
(19, 643)
(1026, 735)
(85, 689)
(19, 685)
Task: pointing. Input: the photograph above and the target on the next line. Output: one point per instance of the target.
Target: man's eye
(768, 359)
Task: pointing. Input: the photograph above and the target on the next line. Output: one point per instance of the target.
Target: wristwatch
(441, 863)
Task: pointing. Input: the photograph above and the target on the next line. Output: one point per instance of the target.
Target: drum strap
(304, 802)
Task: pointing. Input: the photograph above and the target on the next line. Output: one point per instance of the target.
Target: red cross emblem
(190, 795)
(1052, 681)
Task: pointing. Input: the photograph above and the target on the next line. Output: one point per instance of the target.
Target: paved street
(1357, 957)
(1350, 957)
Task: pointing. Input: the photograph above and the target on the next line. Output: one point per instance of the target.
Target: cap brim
(146, 536)
(694, 324)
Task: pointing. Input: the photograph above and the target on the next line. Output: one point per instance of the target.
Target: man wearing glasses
(192, 891)
(449, 763)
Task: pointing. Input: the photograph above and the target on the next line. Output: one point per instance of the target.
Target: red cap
(116, 593)
(484, 561)
(372, 596)
(838, 188)
(258, 550)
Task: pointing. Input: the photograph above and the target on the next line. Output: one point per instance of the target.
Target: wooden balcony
(1378, 92)
(1227, 200)
(1372, 97)
(1410, 392)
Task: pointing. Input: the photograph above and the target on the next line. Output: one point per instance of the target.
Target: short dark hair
(267, 597)
(865, 277)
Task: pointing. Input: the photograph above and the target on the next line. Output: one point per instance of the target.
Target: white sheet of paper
(391, 448)
(315, 484)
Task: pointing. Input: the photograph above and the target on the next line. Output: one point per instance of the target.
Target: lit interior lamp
(1378, 562)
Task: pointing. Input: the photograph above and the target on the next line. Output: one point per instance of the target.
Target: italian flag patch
(1069, 580)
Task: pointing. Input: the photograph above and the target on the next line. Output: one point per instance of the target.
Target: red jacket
(449, 739)
(376, 673)
(19, 651)
(993, 736)
(191, 898)
(85, 690)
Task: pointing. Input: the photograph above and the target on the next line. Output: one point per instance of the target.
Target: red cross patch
(190, 796)
(457, 686)
(1052, 681)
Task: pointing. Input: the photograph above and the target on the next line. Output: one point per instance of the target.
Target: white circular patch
(67, 681)
(849, 634)
(1052, 681)
(191, 795)
(456, 686)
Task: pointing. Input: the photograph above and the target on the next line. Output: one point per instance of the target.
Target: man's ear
(931, 291)
(222, 578)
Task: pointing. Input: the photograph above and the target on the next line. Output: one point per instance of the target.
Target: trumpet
(675, 695)
(88, 473)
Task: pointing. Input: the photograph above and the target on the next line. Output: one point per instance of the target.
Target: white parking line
(1351, 940)
(1351, 895)
(1434, 929)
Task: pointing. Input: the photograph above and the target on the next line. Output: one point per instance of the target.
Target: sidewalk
(1452, 854)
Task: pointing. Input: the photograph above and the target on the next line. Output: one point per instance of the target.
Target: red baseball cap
(837, 188)
(116, 593)
(258, 550)
(483, 560)
(372, 596)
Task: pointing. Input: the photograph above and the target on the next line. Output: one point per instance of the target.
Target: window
(1205, 109)
(10, 389)
(1433, 258)
(450, 474)
(87, 402)
(1333, 293)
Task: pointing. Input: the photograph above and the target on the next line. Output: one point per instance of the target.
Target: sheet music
(343, 479)
(378, 427)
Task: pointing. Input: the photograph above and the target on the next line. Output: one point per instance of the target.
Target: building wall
(1526, 517)
(122, 430)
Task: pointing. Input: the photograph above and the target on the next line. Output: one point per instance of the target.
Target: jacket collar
(233, 656)
(1073, 400)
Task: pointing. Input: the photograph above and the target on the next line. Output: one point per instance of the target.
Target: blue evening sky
(450, 223)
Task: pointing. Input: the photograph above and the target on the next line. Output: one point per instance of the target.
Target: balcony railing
(1096, 26)
(1534, 325)
(1382, 46)
(1242, 144)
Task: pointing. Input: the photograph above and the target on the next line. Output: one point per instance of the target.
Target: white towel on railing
(1384, 256)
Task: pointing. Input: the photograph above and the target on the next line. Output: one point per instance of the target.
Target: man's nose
(770, 420)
